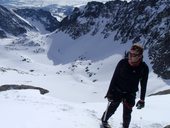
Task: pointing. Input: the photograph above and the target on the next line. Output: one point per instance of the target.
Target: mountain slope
(137, 21)
(77, 83)
(34, 15)
(12, 24)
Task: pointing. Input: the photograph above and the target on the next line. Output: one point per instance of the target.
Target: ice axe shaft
(105, 114)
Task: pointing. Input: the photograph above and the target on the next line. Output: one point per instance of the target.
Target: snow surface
(29, 109)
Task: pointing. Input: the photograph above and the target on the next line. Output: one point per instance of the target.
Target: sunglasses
(134, 54)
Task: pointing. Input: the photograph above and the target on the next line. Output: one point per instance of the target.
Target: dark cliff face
(10, 23)
(145, 21)
(44, 17)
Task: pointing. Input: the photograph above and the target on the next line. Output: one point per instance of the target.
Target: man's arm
(143, 82)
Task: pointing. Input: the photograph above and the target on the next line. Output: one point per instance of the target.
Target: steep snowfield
(29, 109)
(64, 49)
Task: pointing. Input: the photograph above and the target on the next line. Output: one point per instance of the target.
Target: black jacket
(126, 78)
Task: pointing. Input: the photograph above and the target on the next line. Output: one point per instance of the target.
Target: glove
(140, 104)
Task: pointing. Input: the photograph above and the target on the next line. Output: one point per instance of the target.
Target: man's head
(135, 54)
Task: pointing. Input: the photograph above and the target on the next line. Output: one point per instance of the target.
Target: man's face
(134, 56)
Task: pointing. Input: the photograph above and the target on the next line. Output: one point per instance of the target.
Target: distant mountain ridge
(37, 14)
(12, 24)
(17, 21)
(145, 21)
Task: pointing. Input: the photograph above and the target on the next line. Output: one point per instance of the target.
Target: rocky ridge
(12, 24)
(145, 21)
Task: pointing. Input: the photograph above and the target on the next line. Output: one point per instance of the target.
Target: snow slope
(29, 109)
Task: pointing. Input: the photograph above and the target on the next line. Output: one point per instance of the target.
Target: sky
(48, 2)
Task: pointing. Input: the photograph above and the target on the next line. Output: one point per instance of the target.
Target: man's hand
(140, 104)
